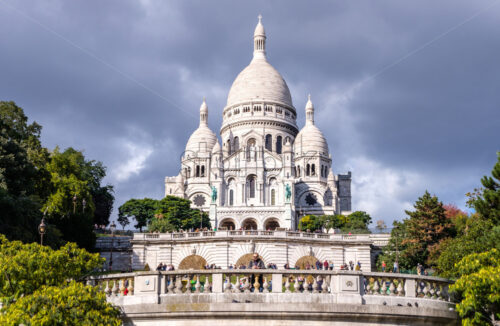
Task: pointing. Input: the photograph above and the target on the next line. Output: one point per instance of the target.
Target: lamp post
(42, 228)
(112, 227)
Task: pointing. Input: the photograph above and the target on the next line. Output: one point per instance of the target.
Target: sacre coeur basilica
(267, 173)
(256, 185)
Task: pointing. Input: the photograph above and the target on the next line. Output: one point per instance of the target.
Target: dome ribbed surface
(259, 81)
(310, 140)
(202, 140)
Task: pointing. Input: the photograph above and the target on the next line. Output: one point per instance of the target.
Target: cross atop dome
(259, 41)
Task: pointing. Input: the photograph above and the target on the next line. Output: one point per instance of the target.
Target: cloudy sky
(407, 93)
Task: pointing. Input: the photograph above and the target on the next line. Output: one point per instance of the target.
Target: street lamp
(112, 227)
(42, 229)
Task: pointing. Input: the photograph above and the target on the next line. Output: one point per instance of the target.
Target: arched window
(288, 140)
(313, 170)
(197, 171)
(269, 142)
(231, 197)
(273, 197)
(298, 171)
(308, 170)
(279, 144)
(251, 180)
(189, 172)
(203, 170)
(229, 147)
(236, 142)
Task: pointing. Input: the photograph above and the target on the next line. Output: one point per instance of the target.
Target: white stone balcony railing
(148, 298)
(366, 285)
(377, 239)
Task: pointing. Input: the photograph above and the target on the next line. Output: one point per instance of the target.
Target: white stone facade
(262, 153)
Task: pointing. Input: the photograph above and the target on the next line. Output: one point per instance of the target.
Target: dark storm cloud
(428, 122)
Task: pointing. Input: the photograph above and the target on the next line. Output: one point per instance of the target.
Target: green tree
(175, 213)
(478, 288)
(311, 223)
(424, 230)
(22, 174)
(73, 304)
(332, 221)
(38, 286)
(357, 222)
(70, 204)
(487, 203)
(478, 235)
(142, 210)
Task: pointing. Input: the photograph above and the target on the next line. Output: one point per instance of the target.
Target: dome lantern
(309, 111)
(204, 113)
(259, 41)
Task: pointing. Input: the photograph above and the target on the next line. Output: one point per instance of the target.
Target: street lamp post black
(42, 228)
(112, 227)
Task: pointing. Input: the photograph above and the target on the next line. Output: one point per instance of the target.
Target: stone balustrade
(299, 282)
(380, 240)
(188, 296)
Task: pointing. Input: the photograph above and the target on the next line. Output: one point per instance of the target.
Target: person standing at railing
(256, 263)
(396, 267)
(383, 266)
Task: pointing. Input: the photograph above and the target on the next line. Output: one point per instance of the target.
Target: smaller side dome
(310, 139)
(202, 139)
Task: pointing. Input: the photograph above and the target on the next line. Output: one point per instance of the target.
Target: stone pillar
(213, 215)
(217, 283)
(277, 283)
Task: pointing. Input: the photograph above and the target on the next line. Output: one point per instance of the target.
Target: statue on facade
(214, 194)
(288, 193)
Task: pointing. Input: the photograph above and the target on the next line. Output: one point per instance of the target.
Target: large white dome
(259, 81)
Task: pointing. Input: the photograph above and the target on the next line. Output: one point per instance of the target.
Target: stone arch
(249, 224)
(303, 262)
(192, 262)
(245, 259)
(228, 223)
(271, 224)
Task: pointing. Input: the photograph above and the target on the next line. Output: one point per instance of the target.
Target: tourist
(331, 265)
(256, 263)
(419, 269)
(351, 265)
(383, 266)
(358, 266)
(160, 266)
(396, 267)
(319, 265)
(325, 265)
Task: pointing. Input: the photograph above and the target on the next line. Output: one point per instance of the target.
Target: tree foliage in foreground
(479, 288)
(38, 286)
(72, 304)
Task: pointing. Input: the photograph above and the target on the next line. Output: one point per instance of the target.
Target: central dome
(259, 81)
